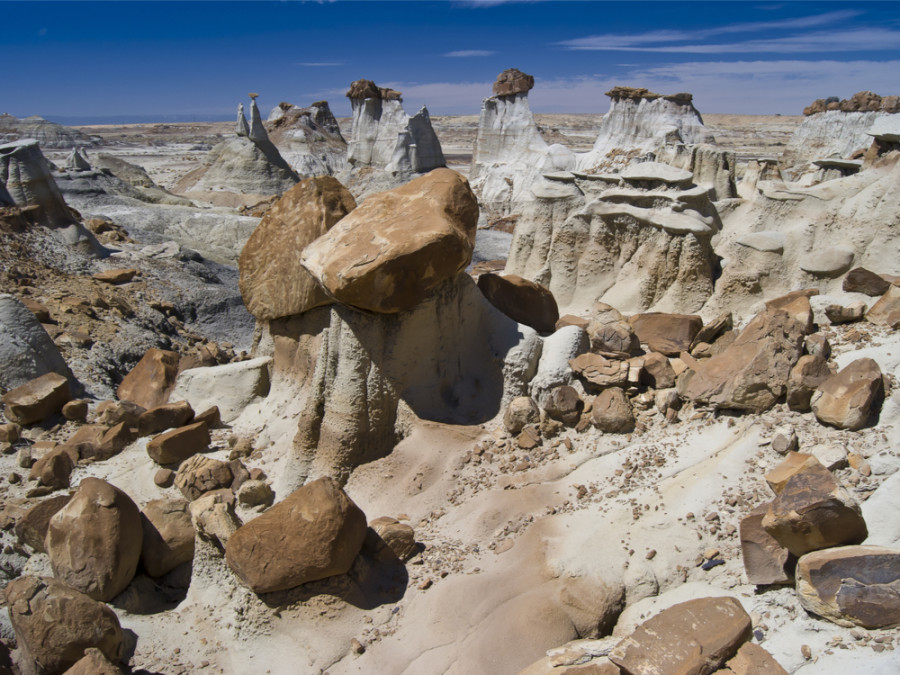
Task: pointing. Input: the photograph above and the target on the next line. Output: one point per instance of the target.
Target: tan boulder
(751, 659)
(812, 511)
(668, 334)
(76, 411)
(200, 474)
(612, 412)
(111, 413)
(37, 399)
(168, 536)
(564, 405)
(54, 468)
(766, 562)
(149, 383)
(696, 637)
(254, 493)
(94, 663)
(31, 528)
(852, 585)
(657, 371)
(806, 375)
(398, 537)
(714, 329)
(389, 253)
(10, 432)
(55, 624)
(521, 410)
(94, 542)
(847, 399)
(213, 518)
(316, 532)
(272, 282)
(796, 304)
(752, 373)
(838, 314)
(600, 371)
(117, 276)
(793, 463)
(176, 445)
(612, 338)
(523, 301)
(886, 311)
(165, 416)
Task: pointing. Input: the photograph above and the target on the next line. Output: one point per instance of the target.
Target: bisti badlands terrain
(565, 395)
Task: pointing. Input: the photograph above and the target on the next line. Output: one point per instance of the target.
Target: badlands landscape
(503, 393)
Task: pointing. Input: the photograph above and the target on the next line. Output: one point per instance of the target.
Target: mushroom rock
(513, 81)
(385, 137)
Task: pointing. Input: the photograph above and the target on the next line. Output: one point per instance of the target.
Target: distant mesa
(861, 101)
(513, 81)
(365, 89)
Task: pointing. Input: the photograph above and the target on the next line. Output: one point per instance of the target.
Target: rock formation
(509, 152)
(240, 171)
(50, 135)
(637, 241)
(308, 138)
(385, 137)
(26, 351)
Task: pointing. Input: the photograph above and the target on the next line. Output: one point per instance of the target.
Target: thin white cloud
(320, 64)
(464, 53)
(652, 39)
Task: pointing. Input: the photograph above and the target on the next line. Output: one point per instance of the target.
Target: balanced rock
(847, 399)
(861, 280)
(806, 376)
(669, 334)
(697, 636)
(38, 399)
(852, 585)
(94, 541)
(316, 532)
(388, 254)
(148, 384)
(55, 624)
(521, 410)
(200, 474)
(272, 281)
(521, 300)
(812, 511)
(612, 412)
(765, 560)
(168, 536)
(512, 81)
(176, 445)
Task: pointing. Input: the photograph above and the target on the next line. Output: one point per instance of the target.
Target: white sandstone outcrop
(638, 241)
(385, 137)
(241, 128)
(827, 134)
(50, 135)
(308, 138)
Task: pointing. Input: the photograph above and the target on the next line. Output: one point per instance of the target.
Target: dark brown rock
(521, 300)
(177, 445)
(316, 532)
(10, 432)
(715, 328)
(76, 411)
(149, 383)
(166, 416)
(199, 474)
(168, 536)
(848, 399)
(37, 399)
(513, 81)
(564, 404)
(669, 334)
(612, 412)
(852, 585)
(796, 304)
(765, 560)
(31, 528)
(695, 637)
(211, 417)
(54, 468)
(657, 371)
(861, 280)
(55, 624)
(94, 542)
(164, 478)
(806, 376)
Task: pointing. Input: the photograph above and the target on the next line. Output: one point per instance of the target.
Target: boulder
(812, 511)
(766, 562)
(851, 313)
(846, 400)
(254, 493)
(54, 468)
(752, 373)
(512, 81)
(612, 412)
(399, 538)
(316, 532)
(852, 585)
(886, 312)
(148, 384)
(796, 303)
(669, 334)
(599, 371)
(231, 387)
(168, 536)
(792, 464)
(177, 445)
(272, 281)
(521, 410)
(807, 374)
(76, 411)
(861, 280)
(38, 399)
(165, 416)
(657, 371)
(564, 404)
(784, 440)
(31, 528)
(26, 350)
(751, 659)
(94, 663)
(55, 624)
(521, 300)
(94, 542)
(611, 335)
(697, 636)
(213, 517)
(388, 254)
(199, 474)
(712, 330)
(111, 413)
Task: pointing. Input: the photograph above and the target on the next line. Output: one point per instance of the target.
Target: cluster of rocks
(308, 138)
(861, 101)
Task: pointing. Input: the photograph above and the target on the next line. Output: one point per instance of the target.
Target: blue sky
(90, 60)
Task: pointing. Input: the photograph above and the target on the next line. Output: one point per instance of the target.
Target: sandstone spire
(242, 129)
(257, 130)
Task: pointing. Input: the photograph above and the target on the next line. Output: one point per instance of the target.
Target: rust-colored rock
(166, 416)
(389, 253)
(199, 474)
(54, 468)
(149, 383)
(848, 399)
(177, 445)
(792, 464)
(513, 81)
(796, 303)
(886, 312)
(31, 529)
(766, 562)
(657, 371)
(668, 334)
(119, 276)
(37, 399)
(695, 637)
(316, 532)
(599, 371)
(806, 376)
(398, 537)
(94, 541)
(521, 300)
(612, 412)
(751, 659)
(168, 536)
(55, 624)
(272, 281)
(94, 663)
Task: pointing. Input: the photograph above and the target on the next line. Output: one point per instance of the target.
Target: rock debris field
(547, 395)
